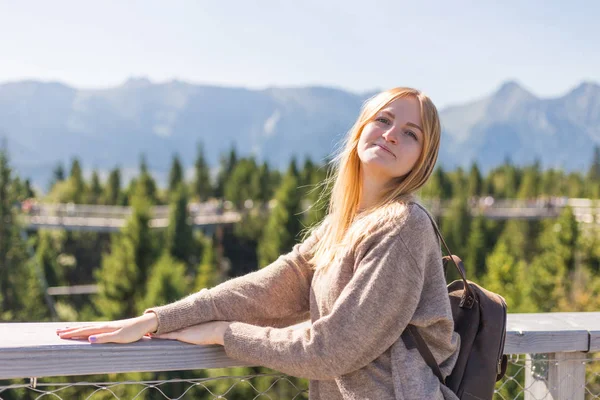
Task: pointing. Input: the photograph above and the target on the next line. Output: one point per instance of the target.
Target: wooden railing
(33, 350)
(101, 218)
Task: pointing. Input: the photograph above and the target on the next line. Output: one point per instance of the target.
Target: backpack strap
(411, 336)
(469, 297)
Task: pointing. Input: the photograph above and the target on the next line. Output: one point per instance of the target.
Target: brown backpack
(480, 320)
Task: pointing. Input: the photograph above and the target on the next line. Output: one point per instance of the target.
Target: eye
(384, 120)
(414, 135)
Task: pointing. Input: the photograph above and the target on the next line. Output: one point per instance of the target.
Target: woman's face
(390, 145)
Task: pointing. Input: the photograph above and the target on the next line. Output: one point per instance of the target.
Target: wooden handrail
(33, 349)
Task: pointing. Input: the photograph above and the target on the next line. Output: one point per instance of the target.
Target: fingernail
(92, 339)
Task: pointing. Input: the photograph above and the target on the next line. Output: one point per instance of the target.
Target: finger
(109, 337)
(86, 331)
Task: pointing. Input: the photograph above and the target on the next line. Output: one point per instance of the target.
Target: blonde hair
(346, 226)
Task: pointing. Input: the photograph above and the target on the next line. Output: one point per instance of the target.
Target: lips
(385, 149)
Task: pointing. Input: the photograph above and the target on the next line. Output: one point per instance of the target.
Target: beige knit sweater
(358, 308)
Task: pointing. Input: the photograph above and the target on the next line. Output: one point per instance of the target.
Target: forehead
(405, 108)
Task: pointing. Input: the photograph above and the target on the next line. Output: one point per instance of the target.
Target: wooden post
(560, 377)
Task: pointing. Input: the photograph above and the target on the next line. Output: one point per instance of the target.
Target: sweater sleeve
(277, 295)
(371, 312)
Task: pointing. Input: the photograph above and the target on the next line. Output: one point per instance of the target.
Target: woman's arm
(277, 295)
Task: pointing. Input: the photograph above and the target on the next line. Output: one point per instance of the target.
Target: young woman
(368, 270)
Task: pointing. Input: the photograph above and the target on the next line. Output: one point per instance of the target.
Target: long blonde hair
(346, 226)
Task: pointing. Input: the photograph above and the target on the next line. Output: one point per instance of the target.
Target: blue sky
(455, 51)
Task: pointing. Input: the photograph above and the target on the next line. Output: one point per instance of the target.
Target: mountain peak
(512, 89)
(137, 82)
(586, 88)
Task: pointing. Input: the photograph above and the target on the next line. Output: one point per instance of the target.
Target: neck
(372, 188)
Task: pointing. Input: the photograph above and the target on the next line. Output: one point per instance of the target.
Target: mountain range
(47, 122)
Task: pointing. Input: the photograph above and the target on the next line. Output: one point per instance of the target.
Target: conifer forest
(538, 265)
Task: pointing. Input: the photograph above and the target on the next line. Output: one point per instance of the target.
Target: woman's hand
(205, 333)
(122, 331)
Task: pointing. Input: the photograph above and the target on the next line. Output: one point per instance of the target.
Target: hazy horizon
(454, 52)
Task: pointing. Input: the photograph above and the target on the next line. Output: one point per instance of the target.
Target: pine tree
(476, 249)
(508, 275)
(145, 186)
(594, 171)
(124, 271)
(166, 283)
(207, 275)
(549, 271)
(202, 186)
(293, 169)
(21, 292)
(510, 181)
(179, 236)
(283, 225)
(95, 194)
(475, 182)
(58, 175)
(243, 183)
(28, 192)
(455, 225)
(77, 182)
(317, 197)
(113, 187)
(226, 167)
(175, 174)
(438, 186)
(47, 259)
(529, 184)
(266, 190)
(593, 176)
(306, 175)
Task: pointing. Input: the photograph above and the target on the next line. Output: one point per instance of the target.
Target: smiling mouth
(387, 150)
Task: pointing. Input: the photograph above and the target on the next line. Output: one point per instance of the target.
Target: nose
(390, 136)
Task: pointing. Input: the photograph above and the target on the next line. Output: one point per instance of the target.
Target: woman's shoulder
(409, 217)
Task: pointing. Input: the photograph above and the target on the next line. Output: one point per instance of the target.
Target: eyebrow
(392, 116)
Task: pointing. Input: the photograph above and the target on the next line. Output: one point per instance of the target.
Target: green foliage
(112, 192)
(207, 275)
(476, 249)
(47, 258)
(455, 226)
(179, 237)
(145, 185)
(124, 271)
(175, 174)
(227, 164)
(475, 182)
(317, 197)
(529, 184)
(167, 283)
(95, 194)
(283, 225)
(21, 291)
(77, 183)
(594, 171)
(244, 183)
(265, 188)
(202, 186)
(507, 275)
(438, 186)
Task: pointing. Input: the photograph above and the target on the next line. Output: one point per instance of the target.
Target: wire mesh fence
(541, 384)
(232, 383)
(527, 378)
